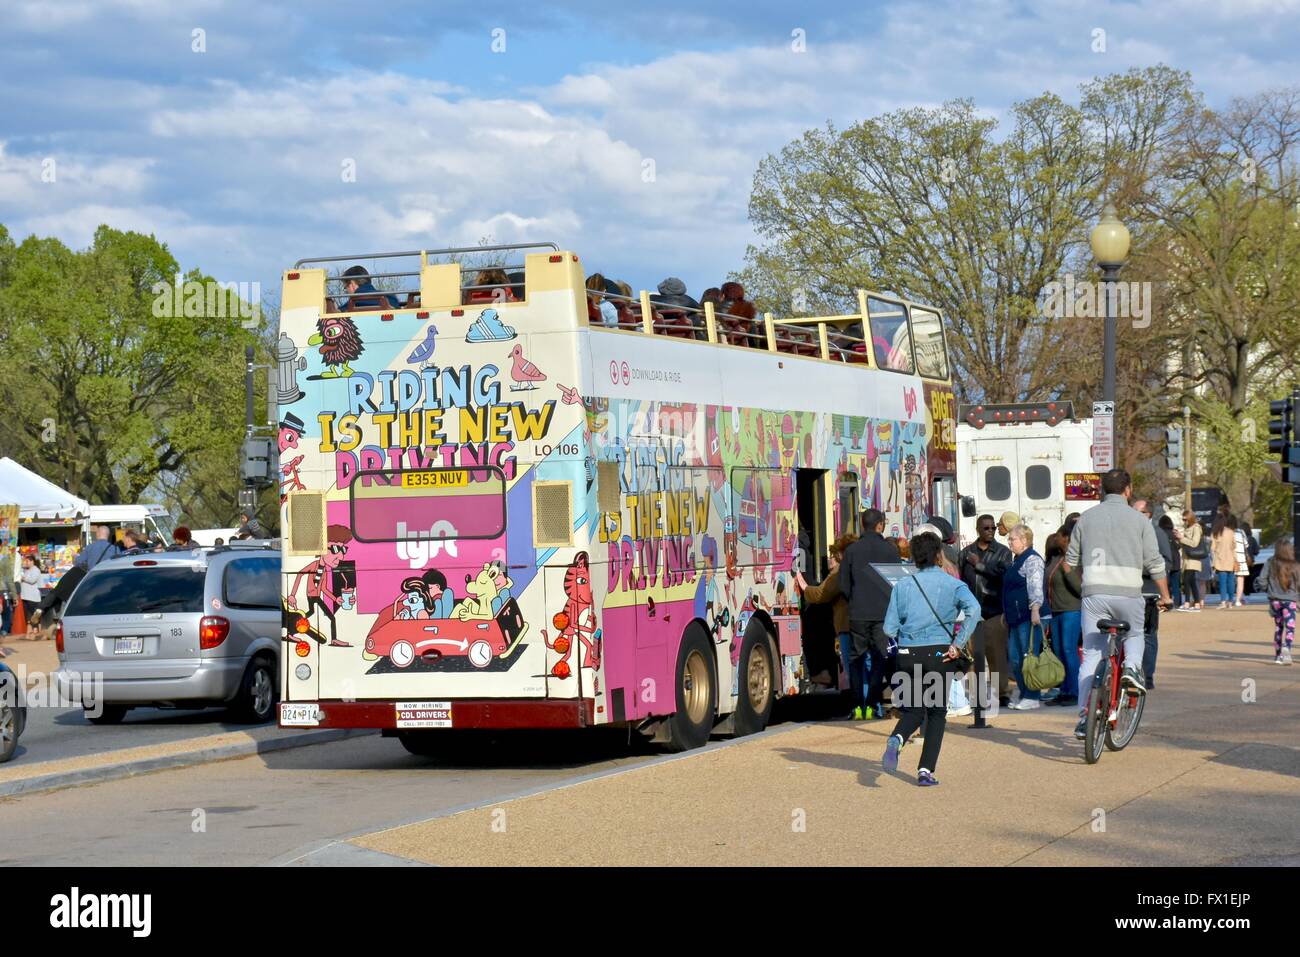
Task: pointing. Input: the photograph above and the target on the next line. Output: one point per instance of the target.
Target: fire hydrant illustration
(288, 365)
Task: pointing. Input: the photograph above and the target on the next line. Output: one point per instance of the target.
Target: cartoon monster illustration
(319, 575)
(425, 597)
(487, 591)
(525, 374)
(340, 343)
(789, 441)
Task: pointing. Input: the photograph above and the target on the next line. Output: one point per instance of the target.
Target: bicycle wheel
(1098, 714)
(1126, 721)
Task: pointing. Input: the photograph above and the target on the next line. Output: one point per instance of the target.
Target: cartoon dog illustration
(487, 592)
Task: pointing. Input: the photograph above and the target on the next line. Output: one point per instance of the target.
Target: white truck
(1033, 459)
(152, 520)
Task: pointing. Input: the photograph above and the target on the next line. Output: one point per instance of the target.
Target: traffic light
(1174, 447)
(257, 466)
(1282, 436)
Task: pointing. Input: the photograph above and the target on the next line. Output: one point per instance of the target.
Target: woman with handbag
(1065, 596)
(1195, 550)
(922, 614)
(1022, 597)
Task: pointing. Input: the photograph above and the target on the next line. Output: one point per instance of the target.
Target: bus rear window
(412, 504)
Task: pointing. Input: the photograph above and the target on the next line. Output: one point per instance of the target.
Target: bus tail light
(302, 625)
(213, 630)
(561, 669)
(291, 275)
(421, 315)
(557, 259)
(386, 317)
(58, 638)
(561, 645)
(302, 649)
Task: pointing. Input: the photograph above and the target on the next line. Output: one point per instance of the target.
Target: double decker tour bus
(499, 513)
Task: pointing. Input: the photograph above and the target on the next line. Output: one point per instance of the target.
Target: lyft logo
(909, 401)
(417, 547)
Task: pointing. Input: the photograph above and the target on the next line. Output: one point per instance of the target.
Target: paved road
(55, 733)
(1210, 779)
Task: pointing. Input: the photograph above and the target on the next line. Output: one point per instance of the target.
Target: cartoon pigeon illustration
(523, 372)
(424, 350)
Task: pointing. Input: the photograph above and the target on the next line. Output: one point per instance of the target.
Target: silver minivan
(183, 629)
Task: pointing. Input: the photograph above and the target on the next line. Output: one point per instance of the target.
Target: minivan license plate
(128, 646)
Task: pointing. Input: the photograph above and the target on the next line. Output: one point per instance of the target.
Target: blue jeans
(846, 644)
(1227, 586)
(1067, 626)
(1176, 588)
(1017, 648)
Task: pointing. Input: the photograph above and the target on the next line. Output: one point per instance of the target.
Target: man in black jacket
(868, 597)
(982, 564)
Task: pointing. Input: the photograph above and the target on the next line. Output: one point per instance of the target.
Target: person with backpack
(1280, 580)
(1241, 538)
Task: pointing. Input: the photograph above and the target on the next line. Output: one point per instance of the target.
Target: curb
(110, 772)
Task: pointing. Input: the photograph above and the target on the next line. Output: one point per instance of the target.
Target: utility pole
(1188, 461)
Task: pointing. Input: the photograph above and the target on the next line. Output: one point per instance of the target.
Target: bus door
(817, 627)
(847, 505)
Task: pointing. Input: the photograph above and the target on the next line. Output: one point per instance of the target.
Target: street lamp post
(1110, 242)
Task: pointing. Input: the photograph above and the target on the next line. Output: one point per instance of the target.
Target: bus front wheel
(696, 692)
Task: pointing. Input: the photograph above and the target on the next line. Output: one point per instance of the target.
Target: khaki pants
(994, 633)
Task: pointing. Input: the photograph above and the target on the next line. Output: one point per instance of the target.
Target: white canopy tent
(38, 500)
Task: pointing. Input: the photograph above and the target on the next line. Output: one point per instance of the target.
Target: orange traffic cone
(19, 626)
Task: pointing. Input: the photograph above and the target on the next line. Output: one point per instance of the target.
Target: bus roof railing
(449, 251)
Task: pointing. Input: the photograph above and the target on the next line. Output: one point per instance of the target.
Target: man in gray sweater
(1113, 545)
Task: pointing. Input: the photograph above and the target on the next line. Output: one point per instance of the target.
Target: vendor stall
(51, 520)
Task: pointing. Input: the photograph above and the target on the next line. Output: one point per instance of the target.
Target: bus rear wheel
(696, 692)
(757, 682)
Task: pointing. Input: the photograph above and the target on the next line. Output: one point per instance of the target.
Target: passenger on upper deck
(490, 285)
(356, 282)
(600, 311)
(672, 304)
(742, 315)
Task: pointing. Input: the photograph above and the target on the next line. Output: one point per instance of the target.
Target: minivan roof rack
(246, 544)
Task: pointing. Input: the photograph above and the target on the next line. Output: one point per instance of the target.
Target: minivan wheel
(108, 714)
(255, 703)
(9, 727)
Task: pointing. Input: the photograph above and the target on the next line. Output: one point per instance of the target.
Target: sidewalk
(1210, 779)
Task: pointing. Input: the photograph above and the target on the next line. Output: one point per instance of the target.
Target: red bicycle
(1113, 710)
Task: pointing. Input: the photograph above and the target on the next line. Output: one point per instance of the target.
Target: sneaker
(1150, 682)
(1028, 704)
(1286, 657)
(1277, 660)
(892, 747)
(1131, 679)
(960, 712)
(1004, 701)
(1081, 729)
(925, 779)
(1237, 604)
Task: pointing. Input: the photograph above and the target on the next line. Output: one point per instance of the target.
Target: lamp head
(1110, 239)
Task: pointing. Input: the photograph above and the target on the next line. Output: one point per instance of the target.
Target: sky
(629, 133)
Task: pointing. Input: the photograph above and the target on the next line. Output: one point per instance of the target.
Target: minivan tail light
(212, 631)
(144, 561)
(58, 638)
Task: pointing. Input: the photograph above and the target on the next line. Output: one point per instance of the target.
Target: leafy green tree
(944, 206)
(110, 392)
